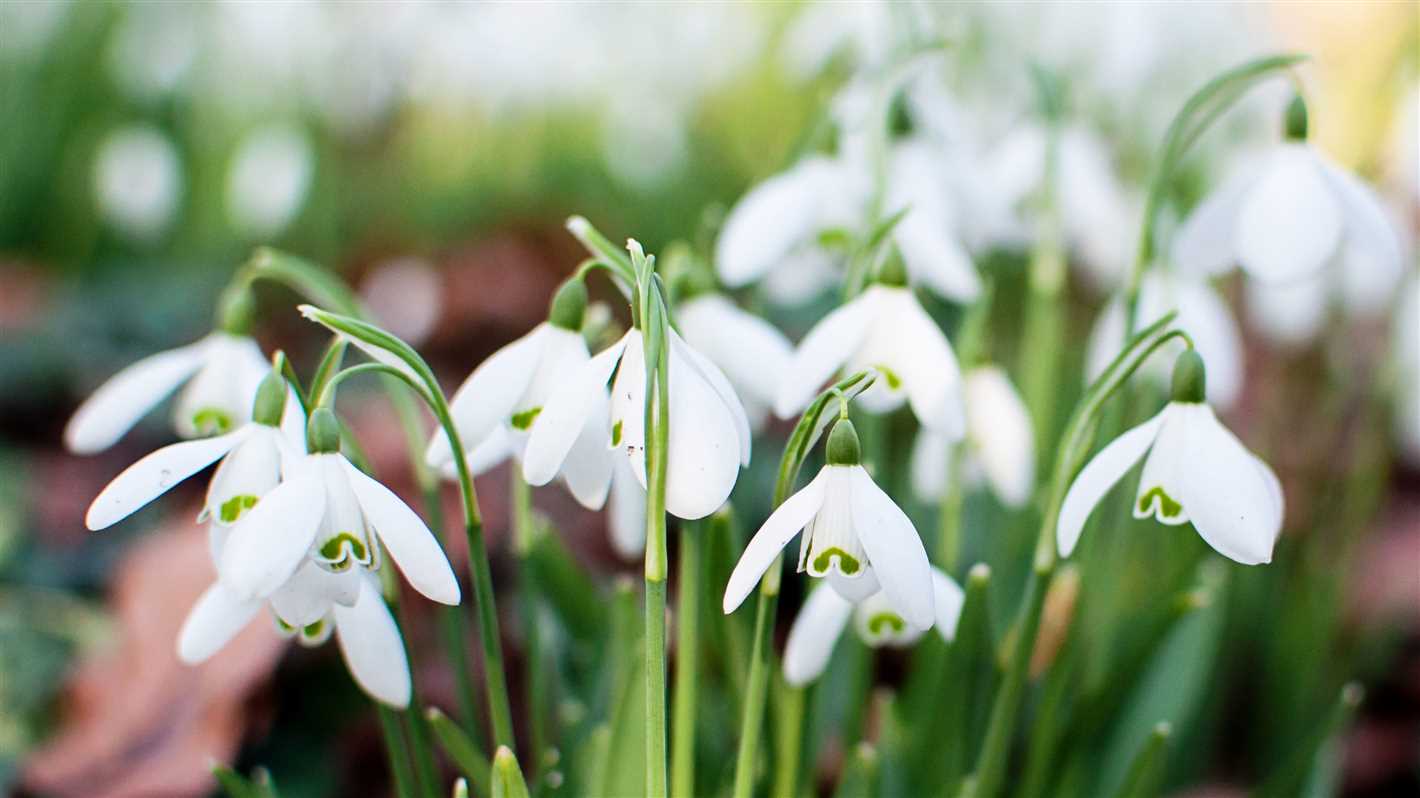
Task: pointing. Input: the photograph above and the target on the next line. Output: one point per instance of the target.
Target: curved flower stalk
(502, 401)
(1202, 313)
(309, 606)
(751, 352)
(1000, 442)
(855, 536)
(825, 613)
(253, 457)
(1289, 218)
(709, 438)
(1195, 471)
(221, 372)
(330, 512)
(885, 329)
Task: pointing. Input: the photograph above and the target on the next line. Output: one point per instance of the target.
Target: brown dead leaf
(136, 721)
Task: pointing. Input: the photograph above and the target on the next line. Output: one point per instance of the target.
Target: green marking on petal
(525, 419)
(616, 434)
(886, 623)
(339, 550)
(233, 508)
(1168, 508)
(847, 563)
(212, 421)
(283, 626)
(313, 630)
(894, 382)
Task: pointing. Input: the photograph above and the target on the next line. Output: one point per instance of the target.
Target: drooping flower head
(854, 536)
(1196, 471)
(1000, 442)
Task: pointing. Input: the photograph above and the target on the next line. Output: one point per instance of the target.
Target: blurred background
(430, 153)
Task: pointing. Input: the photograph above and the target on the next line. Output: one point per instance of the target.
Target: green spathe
(569, 305)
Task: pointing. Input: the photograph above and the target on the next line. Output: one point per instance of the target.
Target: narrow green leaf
(1308, 759)
(507, 776)
(860, 774)
(382, 346)
(1147, 770)
(460, 747)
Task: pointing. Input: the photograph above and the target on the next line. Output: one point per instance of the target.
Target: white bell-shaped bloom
(309, 609)
(1406, 348)
(499, 405)
(751, 351)
(626, 512)
(825, 613)
(779, 221)
(884, 328)
(854, 534)
(919, 180)
(328, 511)
(1195, 471)
(222, 372)
(708, 439)
(1202, 313)
(1288, 219)
(1000, 442)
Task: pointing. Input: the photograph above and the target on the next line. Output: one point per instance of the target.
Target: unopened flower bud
(323, 431)
(1190, 378)
(843, 448)
(1294, 120)
(270, 401)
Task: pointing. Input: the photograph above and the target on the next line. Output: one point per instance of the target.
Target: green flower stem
(1147, 770)
(397, 750)
(970, 345)
(524, 532)
(687, 663)
(789, 748)
(657, 451)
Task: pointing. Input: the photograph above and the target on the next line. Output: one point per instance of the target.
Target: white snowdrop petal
(703, 459)
(214, 620)
(775, 217)
(923, 360)
(936, 259)
(711, 374)
(154, 475)
(751, 351)
(1157, 494)
(1001, 435)
(249, 471)
(1206, 244)
(781, 527)
(1290, 224)
(219, 396)
(1288, 314)
(947, 601)
(118, 404)
(588, 467)
(373, 649)
(1209, 321)
(410, 543)
(1374, 262)
(565, 414)
(498, 446)
(814, 635)
(1232, 502)
(293, 422)
(857, 588)
(826, 348)
(628, 406)
(626, 511)
(270, 541)
(487, 398)
(1098, 476)
(309, 594)
(894, 550)
(930, 464)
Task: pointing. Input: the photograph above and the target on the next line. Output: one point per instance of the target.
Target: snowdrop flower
(1407, 356)
(919, 180)
(503, 399)
(329, 512)
(311, 605)
(777, 223)
(1202, 314)
(854, 535)
(626, 512)
(884, 328)
(222, 372)
(1290, 218)
(138, 181)
(821, 620)
(252, 462)
(999, 438)
(1196, 471)
(751, 351)
(709, 438)
(269, 179)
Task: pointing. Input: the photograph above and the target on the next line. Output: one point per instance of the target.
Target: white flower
(1407, 361)
(883, 328)
(853, 534)
(626, 512)
(329, 512)
(138, 181)
(268, 179)
(778, 221)
(999, 438)
(309, 606)
(1196, 471)
(1287, 220)
(222, 372)
(499, 405)
(1201, 313)
(920, 181)
(751, 351)
(820, 622)
(708, 439)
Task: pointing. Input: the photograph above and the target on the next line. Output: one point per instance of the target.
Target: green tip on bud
(507, 776)
(1295, 120)
(1190, 379)
(892, 272)
(843, 448)
(569, 305)
(270, 401)
(236, 310)
(323, 431)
